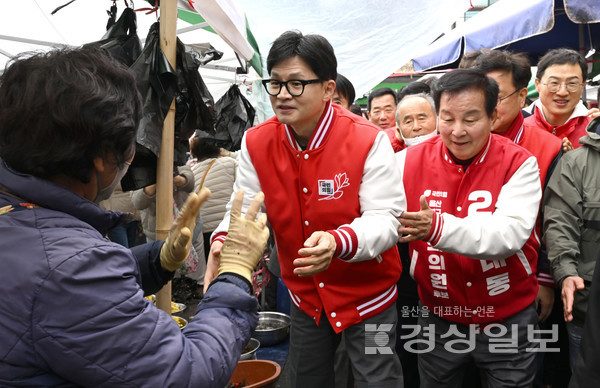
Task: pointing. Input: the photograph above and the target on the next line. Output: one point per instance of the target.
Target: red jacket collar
(515, 131)
(320, 132)
(479, 158)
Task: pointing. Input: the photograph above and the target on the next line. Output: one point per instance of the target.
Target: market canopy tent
(371, 39)
(532, 26)
(27, 25)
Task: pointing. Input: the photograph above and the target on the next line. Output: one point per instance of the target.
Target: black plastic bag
(235, 115)
(194, 105)
(158, 84)
(121, 40)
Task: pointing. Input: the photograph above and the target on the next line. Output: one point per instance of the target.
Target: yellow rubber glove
(246, 238)
(177, 246)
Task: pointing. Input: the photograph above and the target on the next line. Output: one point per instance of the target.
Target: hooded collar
(319, 134)
(50, 195)
(593, 137)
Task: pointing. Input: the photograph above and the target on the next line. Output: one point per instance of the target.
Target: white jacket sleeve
(497, 235)
(382, 200)
(247, 180)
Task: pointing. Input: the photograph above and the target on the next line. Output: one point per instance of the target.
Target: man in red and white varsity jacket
(332, 196)
(472, 200)
(512, 72)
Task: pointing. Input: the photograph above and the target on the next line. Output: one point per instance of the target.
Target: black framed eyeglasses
(500, 99)
(295, 87)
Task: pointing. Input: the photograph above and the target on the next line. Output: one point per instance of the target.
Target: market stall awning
(532, 26)
(226, 20)
(29, 25)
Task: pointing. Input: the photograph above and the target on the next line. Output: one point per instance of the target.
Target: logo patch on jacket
(332, 188)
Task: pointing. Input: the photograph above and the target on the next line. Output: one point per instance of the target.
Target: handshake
(243, 247)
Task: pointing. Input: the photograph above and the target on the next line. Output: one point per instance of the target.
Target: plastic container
(256, 374)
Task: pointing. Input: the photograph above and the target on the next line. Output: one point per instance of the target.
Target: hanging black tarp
(235, 115)
(158, 84)
(121, 40)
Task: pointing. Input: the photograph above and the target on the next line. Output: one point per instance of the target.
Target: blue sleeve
(154, 277)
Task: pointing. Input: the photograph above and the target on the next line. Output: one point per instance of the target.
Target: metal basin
(272, 328)
(182, 322)
(249, 351)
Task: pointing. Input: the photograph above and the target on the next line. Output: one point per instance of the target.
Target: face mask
(418, 139)
(105, 193)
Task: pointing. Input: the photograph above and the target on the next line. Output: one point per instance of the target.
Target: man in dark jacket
(586, 373)
(73, 312)
(571, 225)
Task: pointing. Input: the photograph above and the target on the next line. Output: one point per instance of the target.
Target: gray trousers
(501, 351)
(371, 353)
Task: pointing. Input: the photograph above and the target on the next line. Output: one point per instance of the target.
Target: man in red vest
(469, 222)
(560, 79)
(332, 195)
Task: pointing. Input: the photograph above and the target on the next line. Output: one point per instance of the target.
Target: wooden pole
(164, 178)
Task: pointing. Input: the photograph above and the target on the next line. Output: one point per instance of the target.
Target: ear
(99, 164)
(494, 115)
(522, 96)
(329, 89)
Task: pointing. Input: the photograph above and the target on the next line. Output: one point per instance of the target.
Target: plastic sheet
(121, 39)
(159, 84)
(235, 115)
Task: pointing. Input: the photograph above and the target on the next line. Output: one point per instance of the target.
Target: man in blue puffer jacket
(73, 312)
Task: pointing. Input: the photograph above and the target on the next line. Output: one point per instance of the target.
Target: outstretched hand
(177, 245)
(415, 225)
(246, 238)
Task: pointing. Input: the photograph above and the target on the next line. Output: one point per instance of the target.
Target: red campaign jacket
(542, 144)
(345, 182)
(547, 150)
(397, 144)
(478, 264)
(573, 129)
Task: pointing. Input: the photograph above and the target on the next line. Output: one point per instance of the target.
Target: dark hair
(561, 56)
(414, 87)
(375, 93)
(345, 88)
(469, 59)
(356, 109)
(61, 109)
(314, 49)
(202, 148)
(460, 80)
(516, 63)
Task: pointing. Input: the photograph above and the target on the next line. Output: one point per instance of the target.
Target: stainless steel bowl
(272, 328)
(182, 322)
(249, 351)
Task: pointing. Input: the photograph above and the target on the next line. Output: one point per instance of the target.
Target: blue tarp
(532, 26)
